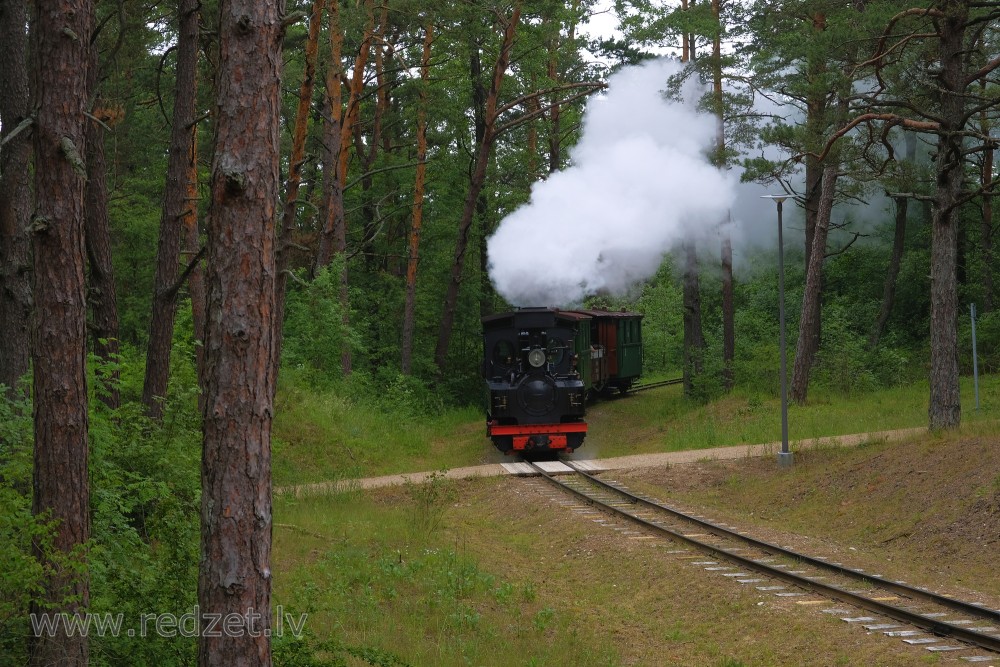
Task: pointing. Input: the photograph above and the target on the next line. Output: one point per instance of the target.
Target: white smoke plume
(639, 183)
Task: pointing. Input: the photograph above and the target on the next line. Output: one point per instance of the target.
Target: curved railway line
(746, 559)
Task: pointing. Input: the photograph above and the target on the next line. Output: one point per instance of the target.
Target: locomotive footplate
(530, 436)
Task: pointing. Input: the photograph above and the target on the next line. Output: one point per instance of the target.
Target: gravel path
(620, 463)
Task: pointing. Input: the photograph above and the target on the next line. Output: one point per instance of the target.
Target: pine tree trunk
(892, 273)
(368, 153)
(945, 410)
(15, 197)
(555, 126)
(694, 339)
(805, 350)
(728, 305)
(60, 320)
(409, 310)
(196, 279)
(333, 239)
(102, 292)
(235, 571)
(297, 158)
(479, 97)
(476, 181)
(728, 309)
(817, 124)
(176, 209)
(192, 249)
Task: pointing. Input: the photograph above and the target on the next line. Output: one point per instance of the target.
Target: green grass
(383, 577)
(662, 420)
(323, 436)
(482, 572)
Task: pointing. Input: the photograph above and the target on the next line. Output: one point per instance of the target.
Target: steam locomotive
(542, 364)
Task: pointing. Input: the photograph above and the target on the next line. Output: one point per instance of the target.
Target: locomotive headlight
(536, 357)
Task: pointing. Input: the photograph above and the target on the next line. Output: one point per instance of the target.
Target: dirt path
(619, 463)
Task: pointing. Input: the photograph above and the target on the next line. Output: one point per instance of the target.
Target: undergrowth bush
(315, 330)
(145, 505)
(22, 575)
(846, 364)
(987, 342)
(315, 335)
(429, 501)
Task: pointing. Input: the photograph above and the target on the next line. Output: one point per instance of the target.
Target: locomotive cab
(535, 399)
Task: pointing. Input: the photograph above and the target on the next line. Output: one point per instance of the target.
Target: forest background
(404, 134)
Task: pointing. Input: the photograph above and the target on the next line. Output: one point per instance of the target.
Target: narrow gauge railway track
(917, 607)
(643, 386)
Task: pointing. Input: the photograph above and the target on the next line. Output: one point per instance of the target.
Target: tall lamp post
(784, 456)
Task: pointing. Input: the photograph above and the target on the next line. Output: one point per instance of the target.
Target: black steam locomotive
(542, 364)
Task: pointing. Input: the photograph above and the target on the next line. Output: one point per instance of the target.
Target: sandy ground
(620, 463)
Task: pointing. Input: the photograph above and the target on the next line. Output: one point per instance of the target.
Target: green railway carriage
(614, 346)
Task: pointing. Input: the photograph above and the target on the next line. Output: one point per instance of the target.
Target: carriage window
(504, 353)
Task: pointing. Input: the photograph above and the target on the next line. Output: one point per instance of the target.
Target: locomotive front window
(556, 351)
(504, 353)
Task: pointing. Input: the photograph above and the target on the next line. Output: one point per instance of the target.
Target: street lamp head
(777, 198)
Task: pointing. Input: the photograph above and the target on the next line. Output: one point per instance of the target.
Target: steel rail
(931, 625)
(894, 586)
(653, 385)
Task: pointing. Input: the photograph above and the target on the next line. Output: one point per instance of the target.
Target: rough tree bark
(945, 409)
(62, 57)
(235, 571)
(15, 196)
(805, 351)
(476, 181)
(176, 210)
(409, 310)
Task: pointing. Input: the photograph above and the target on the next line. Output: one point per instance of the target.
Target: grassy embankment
(325, 436)
(489, 572)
